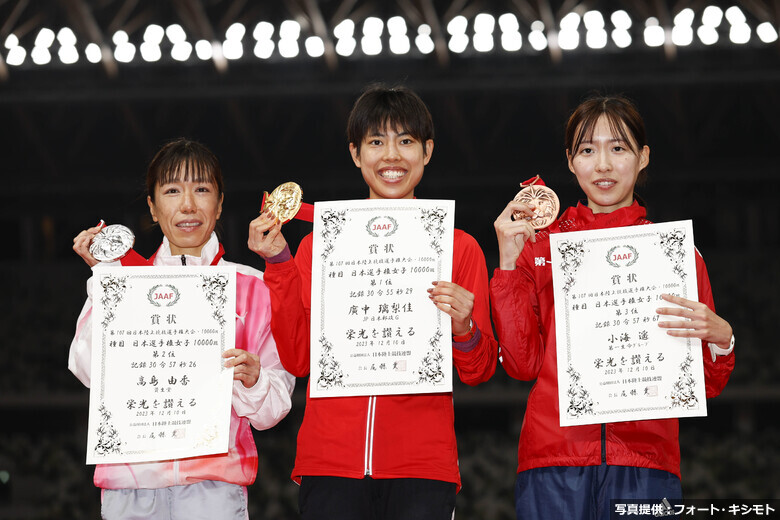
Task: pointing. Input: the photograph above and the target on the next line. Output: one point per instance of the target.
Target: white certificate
(614, 362)
(159, 389)
(374, 329)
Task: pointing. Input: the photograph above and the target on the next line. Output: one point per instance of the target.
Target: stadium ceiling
(113, 35)
(85, 83)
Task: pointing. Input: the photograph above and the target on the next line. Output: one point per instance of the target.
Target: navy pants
(587, 492)
(337, 498)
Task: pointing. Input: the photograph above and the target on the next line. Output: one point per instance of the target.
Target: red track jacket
(393, 436)
(523, 312)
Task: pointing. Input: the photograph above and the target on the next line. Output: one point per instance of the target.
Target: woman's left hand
(455, 301)
(698, 321)
(245, 364)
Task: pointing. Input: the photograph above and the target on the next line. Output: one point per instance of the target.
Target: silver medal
(111, 243)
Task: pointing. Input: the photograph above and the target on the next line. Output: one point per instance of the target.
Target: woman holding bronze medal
(573, 472)
(185, 194)
(389, 457)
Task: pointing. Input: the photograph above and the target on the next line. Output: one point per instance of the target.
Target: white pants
(207, 500)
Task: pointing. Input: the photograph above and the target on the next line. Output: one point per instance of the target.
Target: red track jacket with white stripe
(389, 436)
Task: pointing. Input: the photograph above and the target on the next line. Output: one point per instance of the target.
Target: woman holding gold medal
(388, 457)
(185, 194)
(573, 472)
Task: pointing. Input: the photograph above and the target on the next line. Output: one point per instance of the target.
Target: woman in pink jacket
(185, 195)
(572, 472)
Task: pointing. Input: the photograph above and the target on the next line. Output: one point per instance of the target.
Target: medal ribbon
(533, 180)
(305, 212)
(133, 258)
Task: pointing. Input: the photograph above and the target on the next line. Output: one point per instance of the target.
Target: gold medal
(284, 201)
(543, 199)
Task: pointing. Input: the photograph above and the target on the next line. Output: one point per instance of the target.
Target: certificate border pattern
(580, 401)
(108, 439)
(672, 246)
(330, 370)
(431, 370)
(208, 436)
(215, 287)
(114, 288)
(683, 394)
(433, 224)
(571, 254)
(683, 390)
(331, 375)
(333, 224)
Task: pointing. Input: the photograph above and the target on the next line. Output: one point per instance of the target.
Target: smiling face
(392, 162)
(187, 212)
(607, 167)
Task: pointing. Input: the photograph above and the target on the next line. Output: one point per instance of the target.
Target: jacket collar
(581, 217)
(210, 250)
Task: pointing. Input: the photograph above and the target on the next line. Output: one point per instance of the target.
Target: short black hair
(380, 105)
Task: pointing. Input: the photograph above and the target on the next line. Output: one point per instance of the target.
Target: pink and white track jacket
(262, 406)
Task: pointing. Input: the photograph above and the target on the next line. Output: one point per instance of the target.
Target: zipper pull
(183, 260)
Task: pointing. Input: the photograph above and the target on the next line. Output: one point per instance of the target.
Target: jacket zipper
(603, 443)
(183, 260)
(369, 451)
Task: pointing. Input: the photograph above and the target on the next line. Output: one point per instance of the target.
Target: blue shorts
(585, 492)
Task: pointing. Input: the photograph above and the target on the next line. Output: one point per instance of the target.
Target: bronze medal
(284, 201)
(111, 243)
(543, 199)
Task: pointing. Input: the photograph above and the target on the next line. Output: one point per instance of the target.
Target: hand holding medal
(279, 207)
(104, 243)
(535, 207)
(284, 202)
(111, 243)
(542, 199)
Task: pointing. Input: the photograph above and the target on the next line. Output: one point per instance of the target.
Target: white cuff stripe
(716, 351)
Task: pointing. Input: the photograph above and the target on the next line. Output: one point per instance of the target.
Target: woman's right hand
(83, 240)
(513, 234)
(265, 235)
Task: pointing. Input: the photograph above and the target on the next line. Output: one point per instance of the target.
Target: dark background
(76, 141)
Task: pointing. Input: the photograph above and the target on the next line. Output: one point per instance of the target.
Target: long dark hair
(622, 116)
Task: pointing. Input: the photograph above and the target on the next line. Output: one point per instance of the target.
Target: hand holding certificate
(698, 321)
(160, 389)
(374, 330)
(614, 362)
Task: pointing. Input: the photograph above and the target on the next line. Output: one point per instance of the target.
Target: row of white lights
(568, 37)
